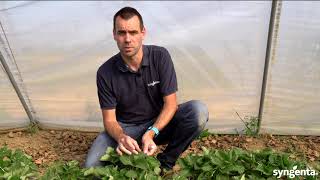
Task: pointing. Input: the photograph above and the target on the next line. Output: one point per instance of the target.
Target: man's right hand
(127, 145)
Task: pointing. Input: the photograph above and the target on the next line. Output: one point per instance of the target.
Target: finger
(145, 147)
(118, 151)
(126, 142)
(153, 146)
(130, 145)
(123, 149)
(152, 150)
(136, 146)
(135, 152)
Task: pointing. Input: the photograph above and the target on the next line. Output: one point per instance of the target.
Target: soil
(48, 146)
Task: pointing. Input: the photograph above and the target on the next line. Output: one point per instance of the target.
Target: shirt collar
(145, 59)
(121, 64)
(124, 68)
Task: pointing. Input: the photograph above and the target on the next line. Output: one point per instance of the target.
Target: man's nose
(127, 37)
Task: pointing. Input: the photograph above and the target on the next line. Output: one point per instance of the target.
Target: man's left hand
(148, 145)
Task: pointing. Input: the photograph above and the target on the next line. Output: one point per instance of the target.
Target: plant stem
(243, 121)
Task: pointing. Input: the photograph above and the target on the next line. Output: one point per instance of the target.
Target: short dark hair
(127, 13)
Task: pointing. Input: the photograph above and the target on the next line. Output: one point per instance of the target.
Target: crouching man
(137, 94)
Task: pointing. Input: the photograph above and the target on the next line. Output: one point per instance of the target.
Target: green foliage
(251, 125)
(140, 166)
(64, 171)
(235, 164)
(32, 128)
(205, 133)
(14, 164)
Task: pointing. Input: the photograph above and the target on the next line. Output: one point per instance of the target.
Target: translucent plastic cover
(12, 114)
(293, 88)
(218, 49)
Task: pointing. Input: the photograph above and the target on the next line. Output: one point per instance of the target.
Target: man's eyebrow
(124, 31)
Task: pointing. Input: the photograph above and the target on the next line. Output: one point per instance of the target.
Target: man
(137, 94)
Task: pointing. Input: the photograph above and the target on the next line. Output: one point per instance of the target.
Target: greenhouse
(253, 63)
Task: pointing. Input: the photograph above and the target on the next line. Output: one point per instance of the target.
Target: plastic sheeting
(12, 114)
(293, 88)
(218, 49)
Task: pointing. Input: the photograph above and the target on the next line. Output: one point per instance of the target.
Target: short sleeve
(168, 79)
(106, 96)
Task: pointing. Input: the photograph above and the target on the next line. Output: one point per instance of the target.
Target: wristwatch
(155, 130)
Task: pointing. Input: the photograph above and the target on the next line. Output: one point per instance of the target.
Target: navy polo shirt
(137, 96)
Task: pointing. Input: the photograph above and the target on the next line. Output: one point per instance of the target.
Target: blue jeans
(187, 123)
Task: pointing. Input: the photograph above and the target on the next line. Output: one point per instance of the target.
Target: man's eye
(134, 33)
(121, 33)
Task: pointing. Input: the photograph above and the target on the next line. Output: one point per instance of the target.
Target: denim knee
(200, 112)
(98, 148)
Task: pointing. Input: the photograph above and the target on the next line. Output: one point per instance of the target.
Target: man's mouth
(127, 48)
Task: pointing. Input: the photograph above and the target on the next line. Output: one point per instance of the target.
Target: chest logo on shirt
(153, 83)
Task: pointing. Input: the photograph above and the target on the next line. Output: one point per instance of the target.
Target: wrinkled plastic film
(292, 95)
(218, 49)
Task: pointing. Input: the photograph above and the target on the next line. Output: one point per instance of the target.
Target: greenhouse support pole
(270, 52)
(16, 88)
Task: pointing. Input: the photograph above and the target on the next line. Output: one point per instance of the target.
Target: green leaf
(131, 174)
(223, 156)
(243, 177)
(189, 161)
(89, 171)
(216, 161)
(182, 163)
(141, 164)
(204, 133)
(266, 170)
(230, 169)
(222, 177)
(157, 170)
(207, 167)
(110, 150)
(150, 176)
(233, 154)
(205, 150)
(185, 173)
(105, 157)
(153, 162)
(204, 176)
(125, 160)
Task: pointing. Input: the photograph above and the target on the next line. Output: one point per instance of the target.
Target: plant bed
(47, 147)
(234, 164)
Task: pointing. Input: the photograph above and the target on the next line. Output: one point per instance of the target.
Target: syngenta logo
(153, 83)
(292, 173)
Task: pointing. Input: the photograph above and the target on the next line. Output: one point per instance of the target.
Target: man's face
(128, 35)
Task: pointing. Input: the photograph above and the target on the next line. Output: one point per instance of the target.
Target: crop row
(210, 164)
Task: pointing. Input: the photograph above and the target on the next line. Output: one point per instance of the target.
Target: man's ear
(144, 33)
(114, 34)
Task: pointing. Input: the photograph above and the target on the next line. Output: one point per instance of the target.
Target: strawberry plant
(205, 133)
(210, 164)
(14, 164)
(140, 166)
(235, 164)
(64, 171)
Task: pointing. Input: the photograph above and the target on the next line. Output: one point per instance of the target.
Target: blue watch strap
(155, 130)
